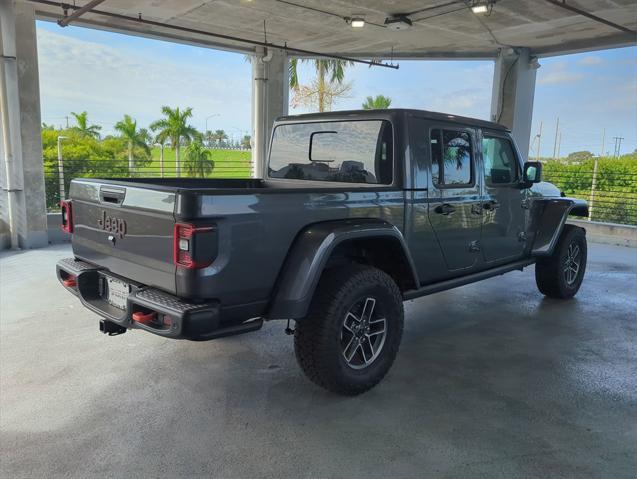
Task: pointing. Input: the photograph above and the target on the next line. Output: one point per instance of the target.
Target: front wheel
(350, 337)
(560, 275)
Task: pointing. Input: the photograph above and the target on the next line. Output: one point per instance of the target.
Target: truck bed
(254, 218)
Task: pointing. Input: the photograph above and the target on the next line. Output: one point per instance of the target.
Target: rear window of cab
(337, 151)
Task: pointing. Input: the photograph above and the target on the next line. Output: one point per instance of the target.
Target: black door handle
(491, 205)
(444, 209)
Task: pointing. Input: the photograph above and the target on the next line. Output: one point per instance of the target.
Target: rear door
(125, 229)
(503, 217)
(454, 196)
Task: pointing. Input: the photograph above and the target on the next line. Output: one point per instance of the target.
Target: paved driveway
(492, 380)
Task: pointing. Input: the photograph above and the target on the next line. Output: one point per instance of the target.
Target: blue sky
(109, 74)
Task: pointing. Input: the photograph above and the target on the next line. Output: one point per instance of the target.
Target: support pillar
(23, 212)
(270, 87)
(513, 94)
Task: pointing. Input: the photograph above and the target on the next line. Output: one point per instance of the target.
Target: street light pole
(61, 167)
(208, 118)
(161, 158)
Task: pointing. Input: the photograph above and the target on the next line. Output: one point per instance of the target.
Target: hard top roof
(390, 114)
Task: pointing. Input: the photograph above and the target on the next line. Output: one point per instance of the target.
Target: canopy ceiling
(442, 28)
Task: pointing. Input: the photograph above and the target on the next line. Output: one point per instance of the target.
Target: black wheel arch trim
(548, 218)
(309, 255)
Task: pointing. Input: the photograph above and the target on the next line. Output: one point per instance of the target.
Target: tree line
(172, 130)
(85, 152)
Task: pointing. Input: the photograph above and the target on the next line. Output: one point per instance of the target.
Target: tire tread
(313, 335)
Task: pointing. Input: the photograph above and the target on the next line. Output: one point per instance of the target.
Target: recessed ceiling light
(357, 22)
(482, 6)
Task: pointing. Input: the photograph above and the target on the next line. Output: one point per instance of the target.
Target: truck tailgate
(125, 229)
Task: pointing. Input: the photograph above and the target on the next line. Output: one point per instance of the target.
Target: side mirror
(532, 173)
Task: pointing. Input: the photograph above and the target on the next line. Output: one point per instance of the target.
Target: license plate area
(114, 291)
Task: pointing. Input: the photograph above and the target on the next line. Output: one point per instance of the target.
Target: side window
(451, 157)
(499, 160)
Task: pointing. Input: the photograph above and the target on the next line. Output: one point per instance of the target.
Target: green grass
(228, 163)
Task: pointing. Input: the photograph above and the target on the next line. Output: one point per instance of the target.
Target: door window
(451, 158)
(499, 160)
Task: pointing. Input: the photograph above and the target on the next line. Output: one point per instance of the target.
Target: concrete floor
(492, 380)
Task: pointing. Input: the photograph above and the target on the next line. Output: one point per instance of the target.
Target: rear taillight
(194, 246)
(67, 216)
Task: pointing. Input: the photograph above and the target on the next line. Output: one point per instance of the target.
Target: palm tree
(328, 71)
(209, 138)
(220, 136)
(134, 137)
(198, 161)
(174, 127)
(83, 127)
(379, 102)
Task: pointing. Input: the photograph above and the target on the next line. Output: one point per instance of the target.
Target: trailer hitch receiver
(111, 328)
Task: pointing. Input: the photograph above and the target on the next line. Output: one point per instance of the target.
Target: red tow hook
(70, 282)
(140, 317)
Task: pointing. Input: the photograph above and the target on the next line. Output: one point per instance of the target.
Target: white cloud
(108, 82)
(558, 74)
(459, 101)
(591, 61)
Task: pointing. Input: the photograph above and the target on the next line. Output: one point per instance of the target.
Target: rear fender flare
(309, 255)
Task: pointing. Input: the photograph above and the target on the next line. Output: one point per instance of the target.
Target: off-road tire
(550, 275)
(317, 337)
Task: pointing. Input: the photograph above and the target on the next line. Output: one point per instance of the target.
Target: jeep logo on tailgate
(113, 225)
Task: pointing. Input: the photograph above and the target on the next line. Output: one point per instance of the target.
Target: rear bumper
(183, 320)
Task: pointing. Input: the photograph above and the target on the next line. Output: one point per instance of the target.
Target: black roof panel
(391, 113)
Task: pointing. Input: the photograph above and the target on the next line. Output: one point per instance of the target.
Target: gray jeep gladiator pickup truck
(358, 212)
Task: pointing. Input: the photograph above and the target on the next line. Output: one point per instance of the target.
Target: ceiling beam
(584, 13)
(78, 13)
(616, 40)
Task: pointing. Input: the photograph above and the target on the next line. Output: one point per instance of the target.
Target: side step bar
(468, 279)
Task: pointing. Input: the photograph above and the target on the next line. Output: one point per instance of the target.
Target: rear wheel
(560, 275)
(352, 333)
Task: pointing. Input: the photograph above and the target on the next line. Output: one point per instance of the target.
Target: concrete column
(22, 163)
(270, 87)
(513, 93)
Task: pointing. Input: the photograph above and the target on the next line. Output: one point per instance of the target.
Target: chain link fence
(58, 175)
(611, 194)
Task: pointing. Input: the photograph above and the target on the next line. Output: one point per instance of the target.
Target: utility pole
(67, 122)
(559, 144)
(618, 145)
(601, 154)
(557, 130)
(539, 140)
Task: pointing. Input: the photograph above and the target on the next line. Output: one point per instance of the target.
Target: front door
(454, 196)
(502, 235)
